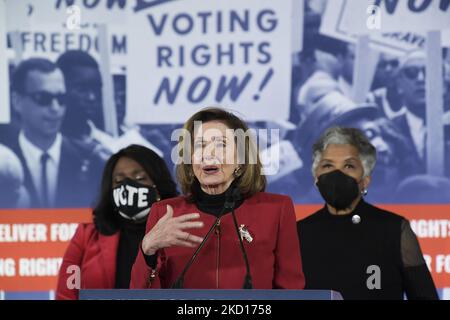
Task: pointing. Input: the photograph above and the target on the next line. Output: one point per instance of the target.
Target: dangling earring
(191, 176)
(364, 192)
(236, 172)
(158, 197)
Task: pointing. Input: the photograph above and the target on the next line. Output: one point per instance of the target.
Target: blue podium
(208, 294)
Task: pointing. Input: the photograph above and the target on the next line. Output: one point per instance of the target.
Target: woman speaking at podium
(225, 231)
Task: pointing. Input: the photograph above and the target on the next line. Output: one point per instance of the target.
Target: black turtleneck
(338, 250)
(213, 203)
(131, 234)
(209, 203)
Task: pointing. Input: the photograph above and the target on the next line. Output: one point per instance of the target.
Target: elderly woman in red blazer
(225, 231)
(101, 254)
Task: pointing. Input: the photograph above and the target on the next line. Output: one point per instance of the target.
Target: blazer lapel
(108, 247)
(28, 181)
(68, 177)
(63, 170)
(404, 127)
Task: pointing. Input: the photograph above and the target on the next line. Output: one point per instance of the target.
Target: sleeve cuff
(151, 261)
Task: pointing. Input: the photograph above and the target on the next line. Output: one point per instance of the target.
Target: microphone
(230, 203)
(178, 284)
(232, 195)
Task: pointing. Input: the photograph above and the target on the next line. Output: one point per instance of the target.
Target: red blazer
(95, 255)
(274, 254)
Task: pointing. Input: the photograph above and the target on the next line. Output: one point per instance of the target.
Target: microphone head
(236, 193)
(232, 195)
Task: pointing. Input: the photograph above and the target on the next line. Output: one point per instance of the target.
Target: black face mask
(338, 189)
(133, 199)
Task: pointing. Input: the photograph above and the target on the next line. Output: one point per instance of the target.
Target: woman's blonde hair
(250, 180)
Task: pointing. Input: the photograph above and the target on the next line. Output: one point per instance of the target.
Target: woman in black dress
(350, 246)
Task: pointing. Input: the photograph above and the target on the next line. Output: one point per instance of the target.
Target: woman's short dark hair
(346, 135)
(105, 220)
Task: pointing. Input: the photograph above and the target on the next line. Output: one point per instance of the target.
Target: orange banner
(431, 223)
(32, 242)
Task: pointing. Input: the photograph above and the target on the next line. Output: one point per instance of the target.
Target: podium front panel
(207, 294)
